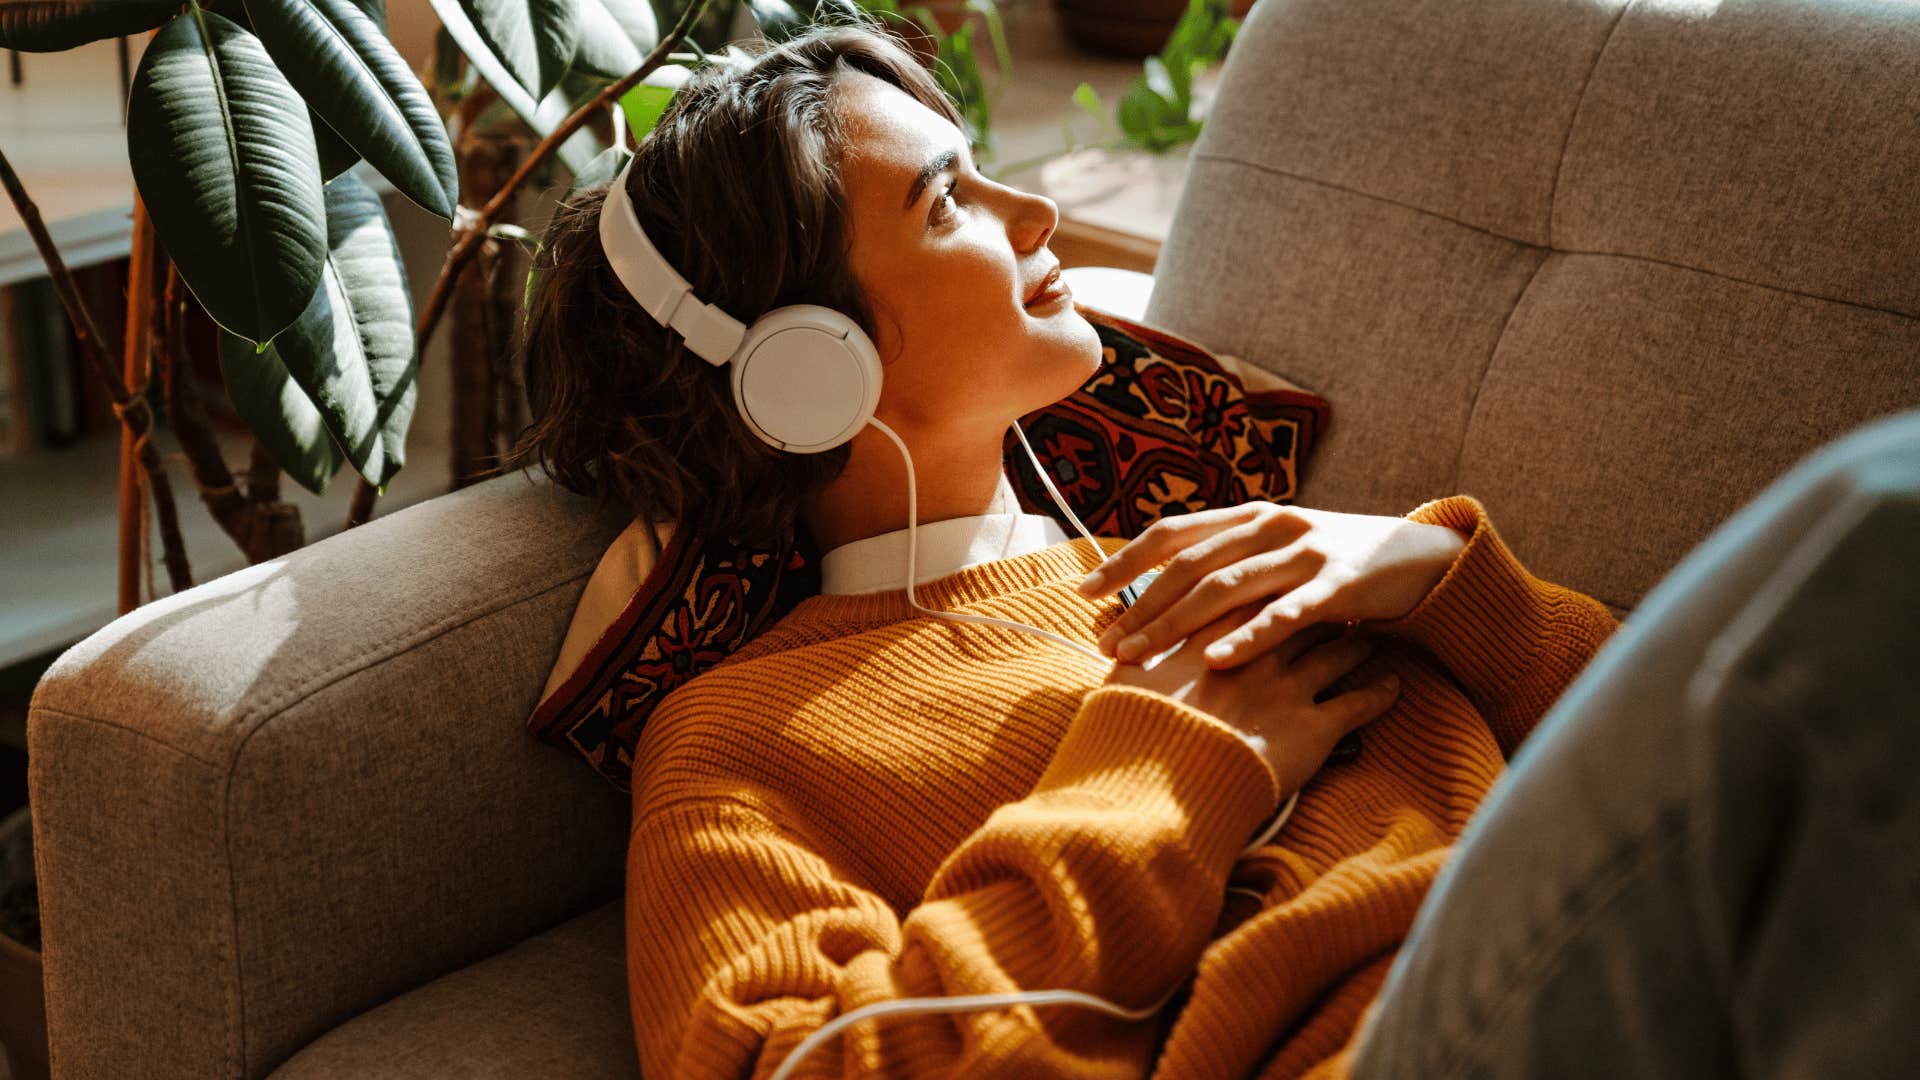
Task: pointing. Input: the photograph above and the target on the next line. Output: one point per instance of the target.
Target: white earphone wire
(959, 1003)
(1286, 811)
(913, 519)
(977, 1002)
(1053, 492)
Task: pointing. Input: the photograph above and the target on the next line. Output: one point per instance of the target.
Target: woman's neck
(955, 477)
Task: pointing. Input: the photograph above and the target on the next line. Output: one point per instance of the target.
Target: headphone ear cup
(806, 378)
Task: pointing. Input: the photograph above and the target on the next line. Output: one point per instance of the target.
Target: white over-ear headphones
(806, 378)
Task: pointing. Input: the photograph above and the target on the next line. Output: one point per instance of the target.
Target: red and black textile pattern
(703, 600)
(1161, 429)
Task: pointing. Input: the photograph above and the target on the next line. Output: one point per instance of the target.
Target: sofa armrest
(270, 802)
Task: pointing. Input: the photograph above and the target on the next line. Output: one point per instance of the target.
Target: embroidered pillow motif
(1164, 428)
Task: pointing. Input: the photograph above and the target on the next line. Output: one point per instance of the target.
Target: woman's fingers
(1258, 577)
(1200, 583)
(1222, 624)
(1290, 647)
(1197, 641)
(1278, 621)
(1159, 542)
(1323, 665)
(1364, 705)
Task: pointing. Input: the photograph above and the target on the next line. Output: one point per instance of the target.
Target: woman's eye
(940, 213)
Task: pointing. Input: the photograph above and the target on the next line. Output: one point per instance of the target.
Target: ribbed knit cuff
(1486, 618)
(1142, 749)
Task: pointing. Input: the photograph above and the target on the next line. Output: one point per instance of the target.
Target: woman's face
(947, 258)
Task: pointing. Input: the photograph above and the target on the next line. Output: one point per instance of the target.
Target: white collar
(879, 563)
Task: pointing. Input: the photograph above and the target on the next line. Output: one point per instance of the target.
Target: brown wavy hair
(739, 186)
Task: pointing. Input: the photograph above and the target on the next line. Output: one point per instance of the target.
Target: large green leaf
(281, 415)
(542, 117)
(637, 19)
(643, 106)
(223, 156)
(376, 10)
(335, 155)
(536, 39)
(56, 25)
(352, 350)
(646, 101)
(615, 36)
(604, 167)
(777, 19)
(343, 64)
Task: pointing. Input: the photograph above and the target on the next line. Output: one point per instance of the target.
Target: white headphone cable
(913, 519)
(977, 1002)
(959, 1003)
(1054, 492)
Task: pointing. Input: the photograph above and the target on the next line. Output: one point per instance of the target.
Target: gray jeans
(1705, 861)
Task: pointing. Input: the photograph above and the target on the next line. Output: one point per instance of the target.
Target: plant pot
(1130, 28)
(23, 999)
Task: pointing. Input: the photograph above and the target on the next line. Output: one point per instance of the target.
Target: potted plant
(275, 238)
(276, 256)
(1158, 110)
(1131, 28)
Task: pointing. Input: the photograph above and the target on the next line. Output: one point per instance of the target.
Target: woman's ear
(885, 333)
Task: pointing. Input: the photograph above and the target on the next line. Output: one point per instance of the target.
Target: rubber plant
(244, 122)
(244, 119)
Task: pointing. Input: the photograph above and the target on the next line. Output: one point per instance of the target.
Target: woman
(865, 806)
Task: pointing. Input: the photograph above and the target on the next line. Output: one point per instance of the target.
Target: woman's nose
(1034, 220)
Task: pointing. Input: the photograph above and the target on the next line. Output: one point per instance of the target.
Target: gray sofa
(1610, 267)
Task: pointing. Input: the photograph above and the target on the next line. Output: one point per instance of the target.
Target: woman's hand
(1270, 700)
(1303, 566)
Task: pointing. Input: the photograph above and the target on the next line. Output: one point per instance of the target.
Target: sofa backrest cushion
(1611, 267)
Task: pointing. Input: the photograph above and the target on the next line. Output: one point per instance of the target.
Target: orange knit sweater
(866, 803)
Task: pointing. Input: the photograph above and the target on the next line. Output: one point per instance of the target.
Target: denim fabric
(1705, 861)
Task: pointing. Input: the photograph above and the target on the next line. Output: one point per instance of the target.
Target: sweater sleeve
(1512, 641)
(746, 933)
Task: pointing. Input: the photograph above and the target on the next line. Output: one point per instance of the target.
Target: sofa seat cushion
(553, 1006)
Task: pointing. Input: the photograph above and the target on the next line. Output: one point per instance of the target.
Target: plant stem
(142, 308)
(188, 417)
(473, 230)
(263, 474)
(132, 411)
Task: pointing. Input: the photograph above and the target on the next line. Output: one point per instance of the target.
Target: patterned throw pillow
(1163, 428)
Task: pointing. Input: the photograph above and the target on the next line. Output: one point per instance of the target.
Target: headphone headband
(806, 378)
(711, 333)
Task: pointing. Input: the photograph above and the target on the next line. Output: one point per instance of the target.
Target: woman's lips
(1055, 292)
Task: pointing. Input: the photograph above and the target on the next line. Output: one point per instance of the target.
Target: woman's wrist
(1440, 548)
